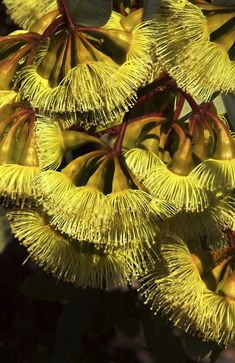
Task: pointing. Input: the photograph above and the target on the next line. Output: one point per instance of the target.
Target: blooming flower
(91, 62)
(18, 162)
(26, 12)
(179, 289)
(195, 45)
(70, 259)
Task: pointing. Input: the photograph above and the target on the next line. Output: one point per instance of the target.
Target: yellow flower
(130, 219)
(55, 185)
(6, 97)
(140, 161)
(142, 142)
(192, 292)
(81, 68)
(174, 182)
(96, 191)
(216, 175)
(179, 4)
(14, 49)
(206, 226)
(69, 259)
(26, 12)
(142, 156)
(218, 172)
(195, 45)
(18, 160)
(53, 141)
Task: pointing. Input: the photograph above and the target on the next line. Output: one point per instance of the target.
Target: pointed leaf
(89, 12)
(151, 8)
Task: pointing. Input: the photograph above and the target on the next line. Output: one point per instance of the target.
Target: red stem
(180, 132)
(192, 103)
(208, 126)
(194, 120)
(64, 9)
(52, 28)
(179, 108)
(160, 81)
(19, 120)
(216, 120)
(28, 38)
(148, 115)
(118, 145)
(201, 131)
(24, 106)
(13, 116)
(162, 142)
(122, 10)
(112, 131)
(116, 129)
(19, 53)
(147, 97)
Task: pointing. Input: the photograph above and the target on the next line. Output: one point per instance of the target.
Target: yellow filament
(26, 12)
(69, 259)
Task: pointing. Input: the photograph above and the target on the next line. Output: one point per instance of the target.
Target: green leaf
(151, 8)
(89, 12)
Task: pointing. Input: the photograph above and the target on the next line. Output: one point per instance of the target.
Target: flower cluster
(104, 178)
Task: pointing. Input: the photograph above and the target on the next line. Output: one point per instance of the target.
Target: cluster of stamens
(104, 176)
